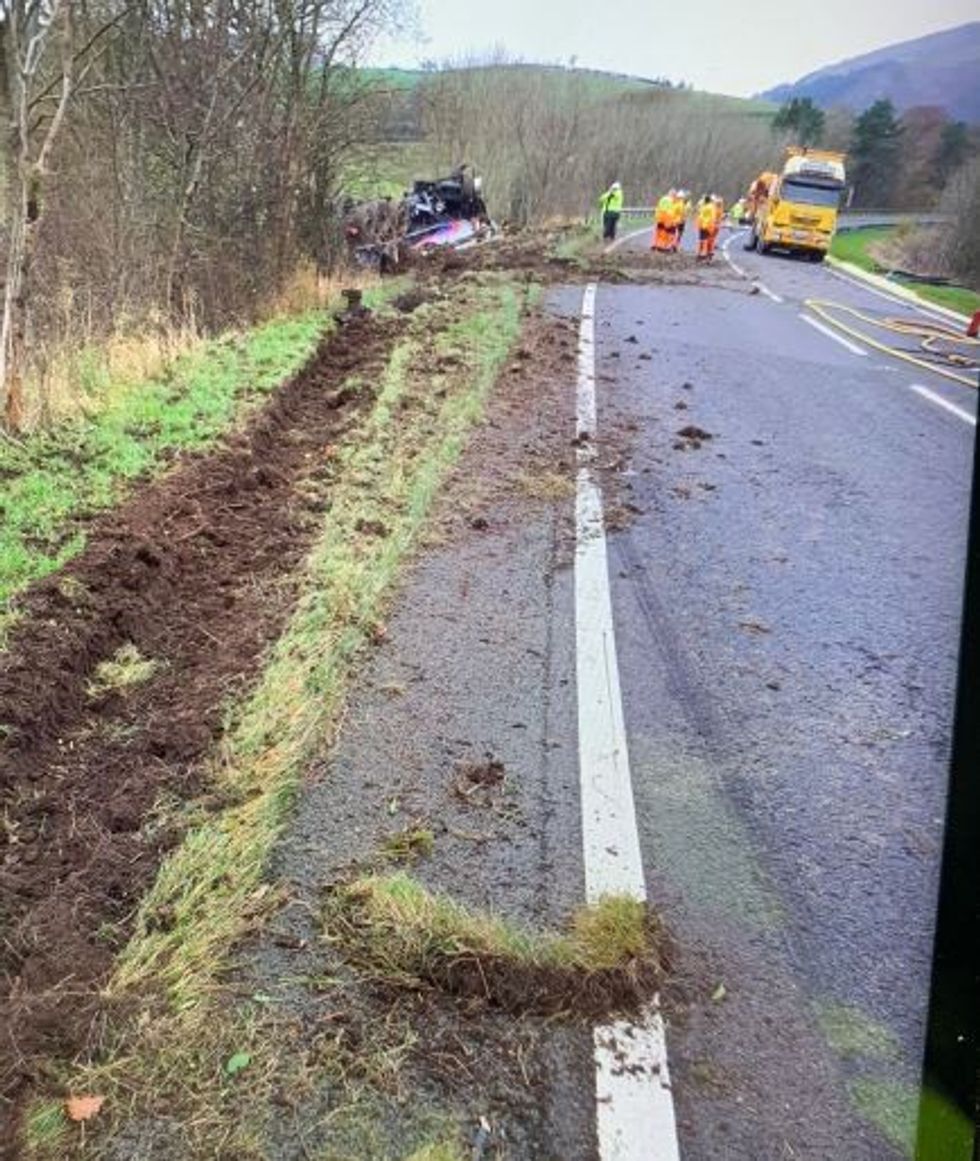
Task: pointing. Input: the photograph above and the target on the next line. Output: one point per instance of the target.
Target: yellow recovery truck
(799, 212)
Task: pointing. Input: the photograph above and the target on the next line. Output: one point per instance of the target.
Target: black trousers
(609, 223)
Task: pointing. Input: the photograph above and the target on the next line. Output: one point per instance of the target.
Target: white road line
(634, 1103)
(626, 237)
(852, 347)
(944, 403)
(729, 259)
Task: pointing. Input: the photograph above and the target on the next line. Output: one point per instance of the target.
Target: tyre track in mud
(195, 571)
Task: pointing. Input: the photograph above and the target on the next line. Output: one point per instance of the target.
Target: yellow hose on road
(928, 336)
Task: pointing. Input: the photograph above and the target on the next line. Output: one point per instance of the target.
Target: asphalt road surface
(786, 598)
(787, 610)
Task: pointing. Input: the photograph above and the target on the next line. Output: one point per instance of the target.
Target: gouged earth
(195, 571)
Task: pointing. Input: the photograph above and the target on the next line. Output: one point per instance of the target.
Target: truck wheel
(817, 256)
(762, 247)
(751, 241)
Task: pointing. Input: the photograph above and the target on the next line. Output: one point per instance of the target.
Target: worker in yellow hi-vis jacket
(611, 205)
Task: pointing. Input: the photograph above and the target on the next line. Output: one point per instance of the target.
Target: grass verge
(170, 1060)
(397, 932)
(54, 480)
(857, 247)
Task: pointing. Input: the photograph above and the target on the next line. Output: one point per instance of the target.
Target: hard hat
(615, 185)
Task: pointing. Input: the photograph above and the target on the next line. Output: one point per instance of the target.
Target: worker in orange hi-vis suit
(719, 208)
(705, 216)
(664, 227)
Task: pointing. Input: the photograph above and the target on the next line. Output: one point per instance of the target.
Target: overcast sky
(726, 46)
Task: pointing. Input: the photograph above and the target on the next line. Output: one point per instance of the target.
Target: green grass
(956, 298)
(54, 478)
(398, 929)
(409, 844)
(854, 246)
(440, 1151)
(45, 1126)
(211, 889)
(389, 170)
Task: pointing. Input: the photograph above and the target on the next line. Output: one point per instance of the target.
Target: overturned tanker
(447, 212)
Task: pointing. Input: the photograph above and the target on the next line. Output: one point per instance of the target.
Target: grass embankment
(857, 247)
(189, 1053)
(55, 479)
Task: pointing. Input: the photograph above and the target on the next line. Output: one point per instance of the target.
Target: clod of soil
(611, 960)
(692, 431)
(410, 301)
(479, 783)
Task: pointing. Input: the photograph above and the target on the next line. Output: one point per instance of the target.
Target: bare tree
(34, 32)
(199, 147)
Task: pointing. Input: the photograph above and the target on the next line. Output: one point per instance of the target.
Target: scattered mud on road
(116, 682)
(563, 256)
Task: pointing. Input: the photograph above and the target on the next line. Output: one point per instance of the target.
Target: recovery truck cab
(800, 212)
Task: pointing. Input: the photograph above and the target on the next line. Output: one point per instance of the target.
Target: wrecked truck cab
(444, 212)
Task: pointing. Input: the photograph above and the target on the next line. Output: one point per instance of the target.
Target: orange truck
(796, 210)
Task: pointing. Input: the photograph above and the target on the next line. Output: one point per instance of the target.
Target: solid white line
(944, 403)
(626, 237)
(634, 1103)
(729, 259)
(767, 292)
(855, 350)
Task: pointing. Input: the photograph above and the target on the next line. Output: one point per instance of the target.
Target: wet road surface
(788, 605)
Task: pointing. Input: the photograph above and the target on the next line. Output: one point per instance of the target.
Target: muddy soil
(434, 740)
(195, 572)
(537, 255)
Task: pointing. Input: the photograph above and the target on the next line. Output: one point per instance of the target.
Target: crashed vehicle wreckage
(448, 212)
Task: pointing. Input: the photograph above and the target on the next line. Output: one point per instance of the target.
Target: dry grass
(125, 669)
(408, 845)
(309, 289)
(546, 485)
(440, 1151)
(83, 373)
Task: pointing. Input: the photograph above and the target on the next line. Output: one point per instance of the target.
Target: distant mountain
(941, 69)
